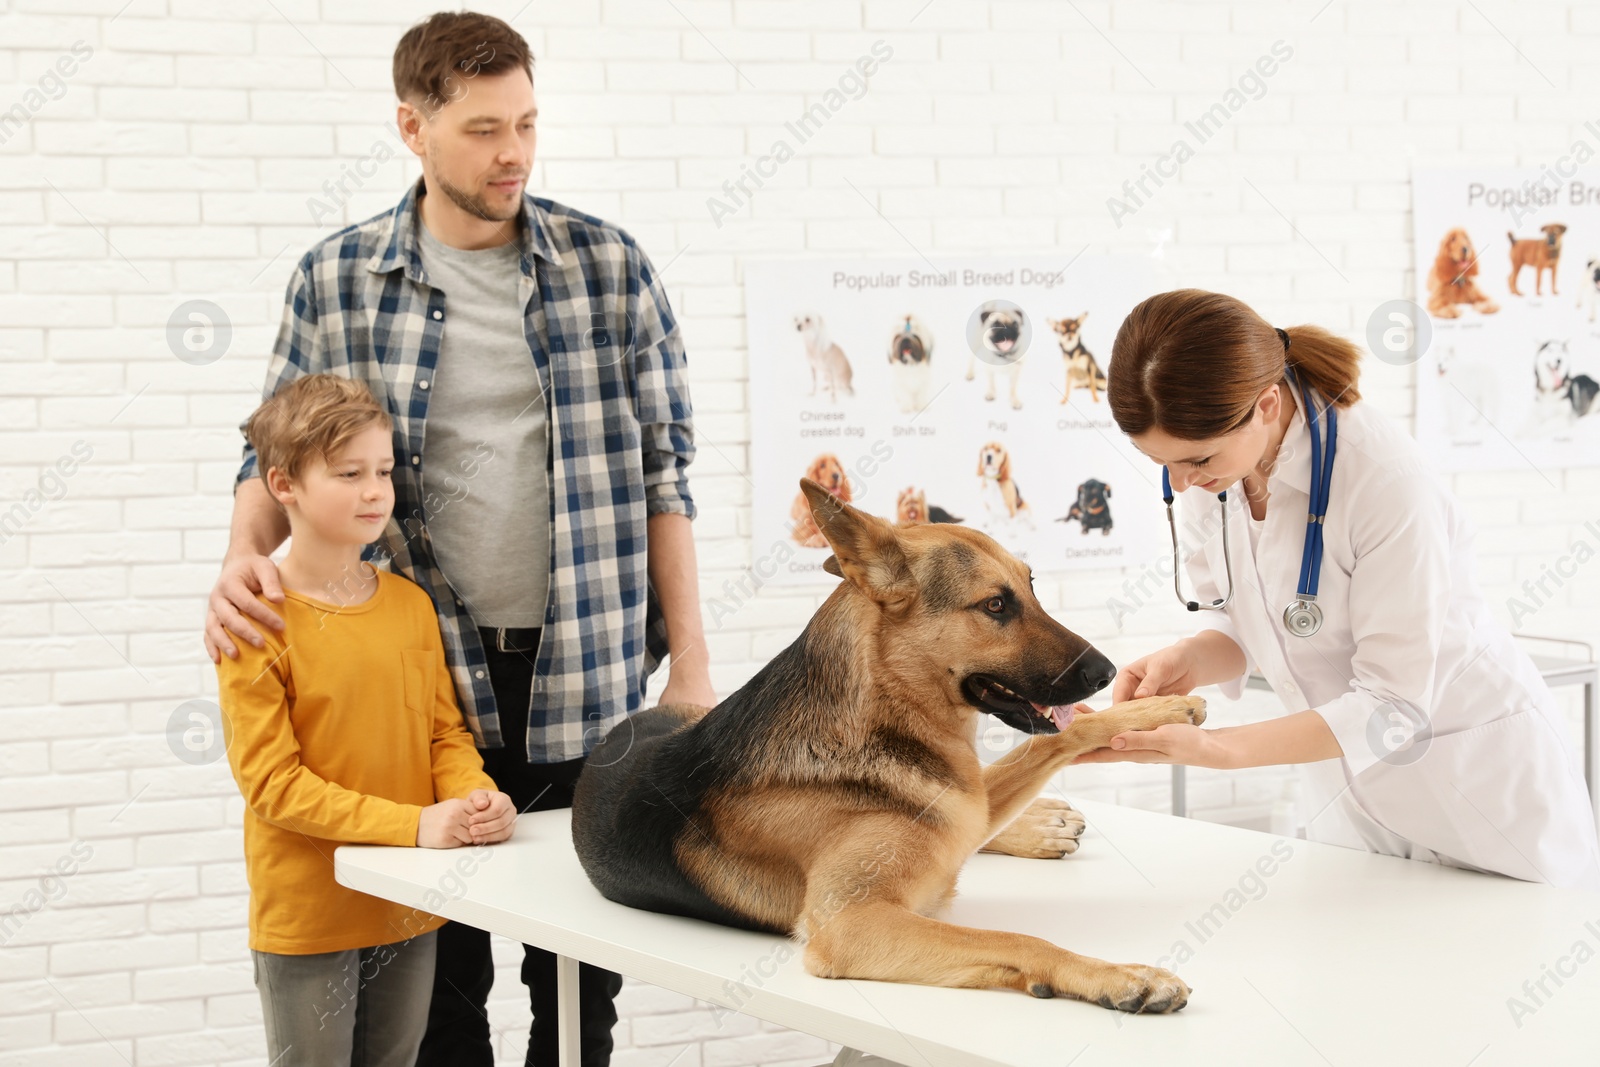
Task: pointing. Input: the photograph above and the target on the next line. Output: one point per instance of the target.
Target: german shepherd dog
(836, 796)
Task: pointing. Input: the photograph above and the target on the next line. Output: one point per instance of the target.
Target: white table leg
(567, 1010)
(1591, 744)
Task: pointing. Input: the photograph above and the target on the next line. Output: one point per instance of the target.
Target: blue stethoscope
(1302, 617)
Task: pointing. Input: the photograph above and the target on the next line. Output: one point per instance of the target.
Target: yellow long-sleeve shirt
(340, 731)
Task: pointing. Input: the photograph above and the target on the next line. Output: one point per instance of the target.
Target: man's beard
(474, 204)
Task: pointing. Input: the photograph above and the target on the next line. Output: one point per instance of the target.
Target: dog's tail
(1511, 237)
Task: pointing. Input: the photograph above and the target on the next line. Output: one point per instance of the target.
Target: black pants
(458, 1023)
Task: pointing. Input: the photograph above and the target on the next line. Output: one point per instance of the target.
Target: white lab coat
(1493, 782)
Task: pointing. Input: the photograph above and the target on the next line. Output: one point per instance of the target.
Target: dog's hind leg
(884, 941)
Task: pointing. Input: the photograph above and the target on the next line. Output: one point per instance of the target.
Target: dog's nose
(1093, 671)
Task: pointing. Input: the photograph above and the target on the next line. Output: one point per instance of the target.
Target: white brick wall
(177, 162)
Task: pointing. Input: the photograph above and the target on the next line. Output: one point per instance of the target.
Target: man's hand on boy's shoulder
(233, 605)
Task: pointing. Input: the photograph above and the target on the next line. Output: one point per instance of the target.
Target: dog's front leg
(1047, 829)
(1017, 777)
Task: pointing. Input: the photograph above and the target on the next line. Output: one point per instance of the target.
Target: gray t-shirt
(487, 439)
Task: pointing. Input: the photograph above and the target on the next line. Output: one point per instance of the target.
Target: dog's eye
(996, 605)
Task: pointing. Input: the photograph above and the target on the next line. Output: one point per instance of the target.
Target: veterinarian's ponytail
(1326, 362)
(1192, 363)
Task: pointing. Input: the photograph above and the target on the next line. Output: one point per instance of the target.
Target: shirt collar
(1294, 454)
(400, 248)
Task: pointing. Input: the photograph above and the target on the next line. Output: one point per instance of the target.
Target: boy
(344, 729)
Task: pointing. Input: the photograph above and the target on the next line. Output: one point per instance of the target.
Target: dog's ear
(983, 316)
(1106, 489)
(1005, 466)
(866, 551)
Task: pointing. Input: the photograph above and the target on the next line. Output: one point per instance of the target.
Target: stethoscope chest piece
(1302, 618)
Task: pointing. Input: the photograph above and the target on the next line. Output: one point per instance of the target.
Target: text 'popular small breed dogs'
(836, 796)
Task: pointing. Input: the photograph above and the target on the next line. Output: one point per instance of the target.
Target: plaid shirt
(612, 364)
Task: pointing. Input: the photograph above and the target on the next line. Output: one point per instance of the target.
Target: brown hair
(437, 56)
(1191, 363)
(317, 413)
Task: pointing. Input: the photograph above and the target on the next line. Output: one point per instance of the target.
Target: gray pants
(363, 1007)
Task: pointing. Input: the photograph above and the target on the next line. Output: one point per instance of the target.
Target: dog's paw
(1150, 712)
(1136, 988)
(1047, 829)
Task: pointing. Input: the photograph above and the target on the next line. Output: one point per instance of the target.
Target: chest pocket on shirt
(418, 666)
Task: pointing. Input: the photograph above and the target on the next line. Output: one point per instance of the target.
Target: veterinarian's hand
(444, 825)
(233, 604)
(1167, 672)
(1172, 743)
(493, 816)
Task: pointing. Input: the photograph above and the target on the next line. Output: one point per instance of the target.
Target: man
(546, 510)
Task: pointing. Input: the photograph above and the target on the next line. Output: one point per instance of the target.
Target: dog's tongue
(1060, 714)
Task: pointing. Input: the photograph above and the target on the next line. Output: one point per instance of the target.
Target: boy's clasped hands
(482, 817)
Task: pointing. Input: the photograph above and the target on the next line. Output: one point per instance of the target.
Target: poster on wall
(1508, 268)
(956, 390)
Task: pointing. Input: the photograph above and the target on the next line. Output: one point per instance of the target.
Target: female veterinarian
(1322, 550)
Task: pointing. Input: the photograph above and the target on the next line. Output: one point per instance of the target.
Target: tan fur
(1450, 282)
(827, 471)
(1082, 370)
(1002, 476)
(853, 852)
(910, 506)
(1540, 253)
